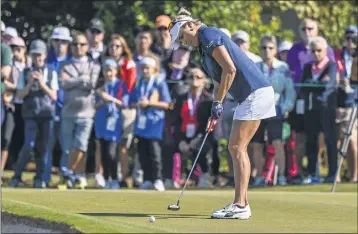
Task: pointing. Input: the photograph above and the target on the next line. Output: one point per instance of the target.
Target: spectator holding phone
(320, 108)
(347, 94)
(109, 121)
(59, 53)
(38, 87)
(151, 98)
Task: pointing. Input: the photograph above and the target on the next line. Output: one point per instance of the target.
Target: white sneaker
(204, 181)
(159, 185)
(82, 182)
(99, 180)
(147, 185)
(232, 211)
(169, 184)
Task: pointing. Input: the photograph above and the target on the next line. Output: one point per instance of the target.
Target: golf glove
(216, 110)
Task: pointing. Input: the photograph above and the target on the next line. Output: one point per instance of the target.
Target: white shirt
(96, 52)
(255, 58)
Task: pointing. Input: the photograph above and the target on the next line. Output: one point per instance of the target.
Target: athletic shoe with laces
(99, 180)
(204, 181)
(232, 211)
(159, 185)
(115, 184)
(282, 180)
(147, 185)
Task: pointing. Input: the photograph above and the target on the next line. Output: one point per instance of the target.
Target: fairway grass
(129, 210)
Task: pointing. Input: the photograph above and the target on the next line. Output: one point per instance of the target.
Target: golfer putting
(227, 64)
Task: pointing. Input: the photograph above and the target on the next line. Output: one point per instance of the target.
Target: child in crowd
(151, 98)
(109, 122)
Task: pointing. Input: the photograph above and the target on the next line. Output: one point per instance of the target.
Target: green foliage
(235, 15)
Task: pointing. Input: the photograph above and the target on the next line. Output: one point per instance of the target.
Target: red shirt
(128, 73)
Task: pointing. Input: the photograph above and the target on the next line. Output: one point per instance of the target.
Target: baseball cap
(226, 31)
(38, 47)
(351, 29)
(285, 45)
(2, 26)
(174, 28)
(242, 35)
(110, 62)
(17, 41)
(11, 32)
(61, 33)
(97, 24)
(162, 21)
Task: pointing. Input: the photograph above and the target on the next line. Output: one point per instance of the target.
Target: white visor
(148, 61)
(174, 32)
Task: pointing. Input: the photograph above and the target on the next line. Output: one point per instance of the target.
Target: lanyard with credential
(144, 92)
(192, 106)
(112, 108)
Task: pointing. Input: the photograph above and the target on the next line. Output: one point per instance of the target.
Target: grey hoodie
(79, 88)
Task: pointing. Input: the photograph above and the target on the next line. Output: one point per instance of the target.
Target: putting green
(129, 210)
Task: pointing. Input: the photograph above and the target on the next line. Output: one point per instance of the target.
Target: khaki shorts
(129, 116)
(342, 120)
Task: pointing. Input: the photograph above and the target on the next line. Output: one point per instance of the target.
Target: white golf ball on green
(152, 219)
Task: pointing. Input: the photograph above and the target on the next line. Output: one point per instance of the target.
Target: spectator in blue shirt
(38, 87)
(58, 53)
(151, 98)
(109, 121)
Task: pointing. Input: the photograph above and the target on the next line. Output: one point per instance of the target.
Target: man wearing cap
(95, 34)
(38, 87)
(242, 39)
(58, 54)
(347, 94)
(78, 79)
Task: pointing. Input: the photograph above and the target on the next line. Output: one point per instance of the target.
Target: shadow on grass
(139, 215)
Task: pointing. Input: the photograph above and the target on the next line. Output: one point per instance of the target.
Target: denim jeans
(75, 135)
(55, 135)
(36, 135)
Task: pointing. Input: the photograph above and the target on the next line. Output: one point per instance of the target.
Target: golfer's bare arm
(223, 58)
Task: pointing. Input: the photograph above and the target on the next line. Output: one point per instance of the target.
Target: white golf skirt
(260, 104)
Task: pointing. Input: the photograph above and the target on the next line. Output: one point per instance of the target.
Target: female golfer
(224, 61)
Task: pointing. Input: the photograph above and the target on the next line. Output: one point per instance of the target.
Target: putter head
(174, 207)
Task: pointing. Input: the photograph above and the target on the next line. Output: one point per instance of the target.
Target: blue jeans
(55, 135)
(36, 135)
(75, 135)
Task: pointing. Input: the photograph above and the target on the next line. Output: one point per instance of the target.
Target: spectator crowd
(141, 115)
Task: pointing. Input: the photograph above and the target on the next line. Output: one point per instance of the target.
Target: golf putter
(176, 207)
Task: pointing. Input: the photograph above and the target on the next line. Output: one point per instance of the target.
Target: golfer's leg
(241, 134)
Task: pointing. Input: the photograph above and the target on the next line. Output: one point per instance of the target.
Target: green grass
(291, 209)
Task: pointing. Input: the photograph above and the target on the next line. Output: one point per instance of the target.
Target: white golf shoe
(99, 180)
(232, 211)
(159, 185)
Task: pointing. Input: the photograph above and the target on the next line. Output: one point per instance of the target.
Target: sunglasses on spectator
(77, 44)
(95, 31)
(115, 46)
(267, 47)
(61, 41)
(317, 50)
(196, 77)
(307, 28)
(162, 28)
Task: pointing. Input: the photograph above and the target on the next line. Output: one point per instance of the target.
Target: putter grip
(211, 125)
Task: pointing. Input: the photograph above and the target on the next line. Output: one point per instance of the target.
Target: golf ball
(152, 219)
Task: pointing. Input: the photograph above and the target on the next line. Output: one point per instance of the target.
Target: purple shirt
(298, 56)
